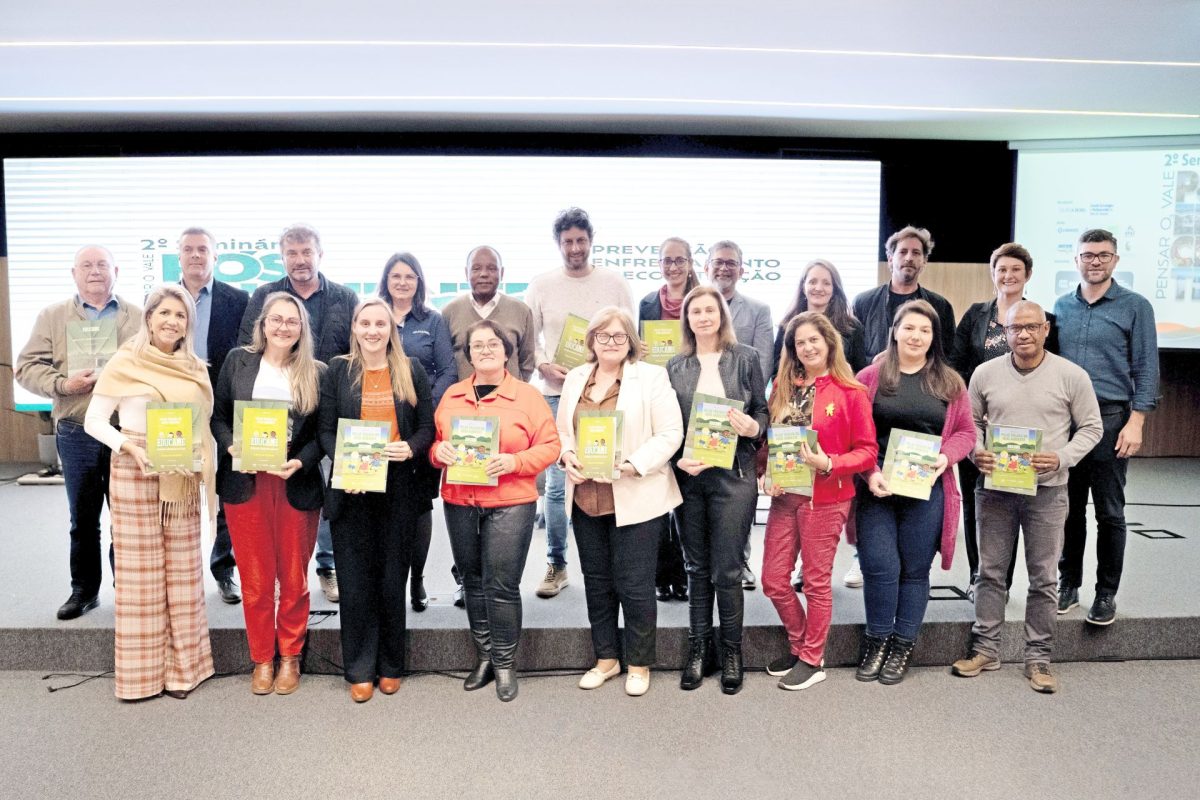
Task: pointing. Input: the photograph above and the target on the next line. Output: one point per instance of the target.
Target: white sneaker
(854, 578)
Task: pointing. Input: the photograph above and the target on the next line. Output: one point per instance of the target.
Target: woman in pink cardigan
(912, 388)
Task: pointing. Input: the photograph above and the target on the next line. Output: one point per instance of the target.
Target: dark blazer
(853, 347)
(650, 307)
(967, 353)
(228, 307)
(871, 309)
(333, 337)
(341, 398)
(305, 490)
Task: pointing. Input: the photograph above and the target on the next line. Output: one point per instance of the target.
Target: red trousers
(795, 525)
(273, 541)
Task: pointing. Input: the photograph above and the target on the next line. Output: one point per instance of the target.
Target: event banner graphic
(782, 212)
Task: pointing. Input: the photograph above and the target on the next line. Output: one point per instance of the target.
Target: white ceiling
(945, 69)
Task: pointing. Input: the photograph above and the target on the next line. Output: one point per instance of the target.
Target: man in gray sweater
(1029, 388)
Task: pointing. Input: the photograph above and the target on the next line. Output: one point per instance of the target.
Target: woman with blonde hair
(162, 643)
(273, 515)
(373, 531)
(618, 518)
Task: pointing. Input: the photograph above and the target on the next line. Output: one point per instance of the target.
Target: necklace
(378, 380)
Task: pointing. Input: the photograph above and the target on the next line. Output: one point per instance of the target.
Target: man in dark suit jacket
(219, 311)
(330, 308)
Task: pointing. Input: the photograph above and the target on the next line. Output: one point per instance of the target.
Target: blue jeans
(897, 539)
(556, 513)
(85, 463)
(324, 552)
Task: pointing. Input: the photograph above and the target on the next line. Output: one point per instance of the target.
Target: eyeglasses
(1092, 258)
(680, 261)
(613, 338)
(723, 263)
(276, 321)
(405, 279)
(1029, 327)
(487, 347)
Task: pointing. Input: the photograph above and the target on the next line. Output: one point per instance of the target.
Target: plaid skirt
(162, 630)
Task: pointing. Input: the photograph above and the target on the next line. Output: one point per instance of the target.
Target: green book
(475, 440)
(571, 350)
(662, 338)
(710, 438)
(910, 462)
(171, 442)
(261, 431)
(358, 459)
(598, 443)
(90, 344)
(785, 468)
(1013, 448)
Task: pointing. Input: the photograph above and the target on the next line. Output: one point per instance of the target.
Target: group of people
(663, 524)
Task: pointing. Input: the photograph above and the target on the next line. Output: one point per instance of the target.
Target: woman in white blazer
(618, 520)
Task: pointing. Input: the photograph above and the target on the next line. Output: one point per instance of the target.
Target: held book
(358, 459)
(475, 440)
(598, 443)
(662, 338)
(910, 462)
(90, 344)
(260, 430)
(571, 350)
(1013, 448)
(710, 437)
(785, 468)
(170, 436)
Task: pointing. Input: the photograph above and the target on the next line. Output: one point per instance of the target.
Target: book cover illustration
(910, 462)
(571, 350)
(170, 440)
(90, 344)
(261, 429)
(598, 443)
(359, 462)
(785, 468)
(662, 339)
(710, 438)
(1013, 448)
(475, 440)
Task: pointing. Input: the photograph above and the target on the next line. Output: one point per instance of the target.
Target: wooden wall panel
(18, 431)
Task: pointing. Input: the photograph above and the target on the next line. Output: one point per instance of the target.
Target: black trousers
(371, 546)
(715, 519)
(491, 546)
(1102, 475)
(618, 563)
(670, 570)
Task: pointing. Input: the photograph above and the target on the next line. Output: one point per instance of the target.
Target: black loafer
(506, 683)
(679, 591)
(663, 593)
(229, 591)
(420, 600)
(77, 606)
(481, 676)
(178, 694)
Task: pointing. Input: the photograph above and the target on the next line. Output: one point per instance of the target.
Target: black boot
(872, 654)
(898, 659)
(506, 683)
(481, 676)
(731, 670)
(420, 600)
(699, 663)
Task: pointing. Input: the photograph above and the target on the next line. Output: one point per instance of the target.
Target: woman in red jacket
(814, 388)
(491, 526)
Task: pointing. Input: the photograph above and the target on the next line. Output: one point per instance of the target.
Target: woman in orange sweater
(491, 526)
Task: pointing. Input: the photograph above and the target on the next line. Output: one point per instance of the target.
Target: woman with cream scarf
(162, 644)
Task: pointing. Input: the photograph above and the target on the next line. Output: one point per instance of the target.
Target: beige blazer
(653, 433)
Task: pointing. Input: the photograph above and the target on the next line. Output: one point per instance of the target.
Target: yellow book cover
(571, 350)
(264, 436)
(598, 443)
(170, 443)
(662, 339)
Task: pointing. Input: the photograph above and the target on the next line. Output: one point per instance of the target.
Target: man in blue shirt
(1109, 331)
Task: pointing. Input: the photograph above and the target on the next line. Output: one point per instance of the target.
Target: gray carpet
(1114, 731)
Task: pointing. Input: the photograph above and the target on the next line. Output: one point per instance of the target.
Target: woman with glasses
(912, 388)
(979, 338)
(490, 526)
(373, 531)
(618, 518)
(273, 515)
(426, 339)
(679, 278)
(718, 503)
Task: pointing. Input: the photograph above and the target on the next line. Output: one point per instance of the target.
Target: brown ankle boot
(288, 679)
(263, 680)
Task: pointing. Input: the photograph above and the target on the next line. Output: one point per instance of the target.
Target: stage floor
(1158, 605)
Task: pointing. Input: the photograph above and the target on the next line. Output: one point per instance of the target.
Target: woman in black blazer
(372, 532)
(273, 515)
